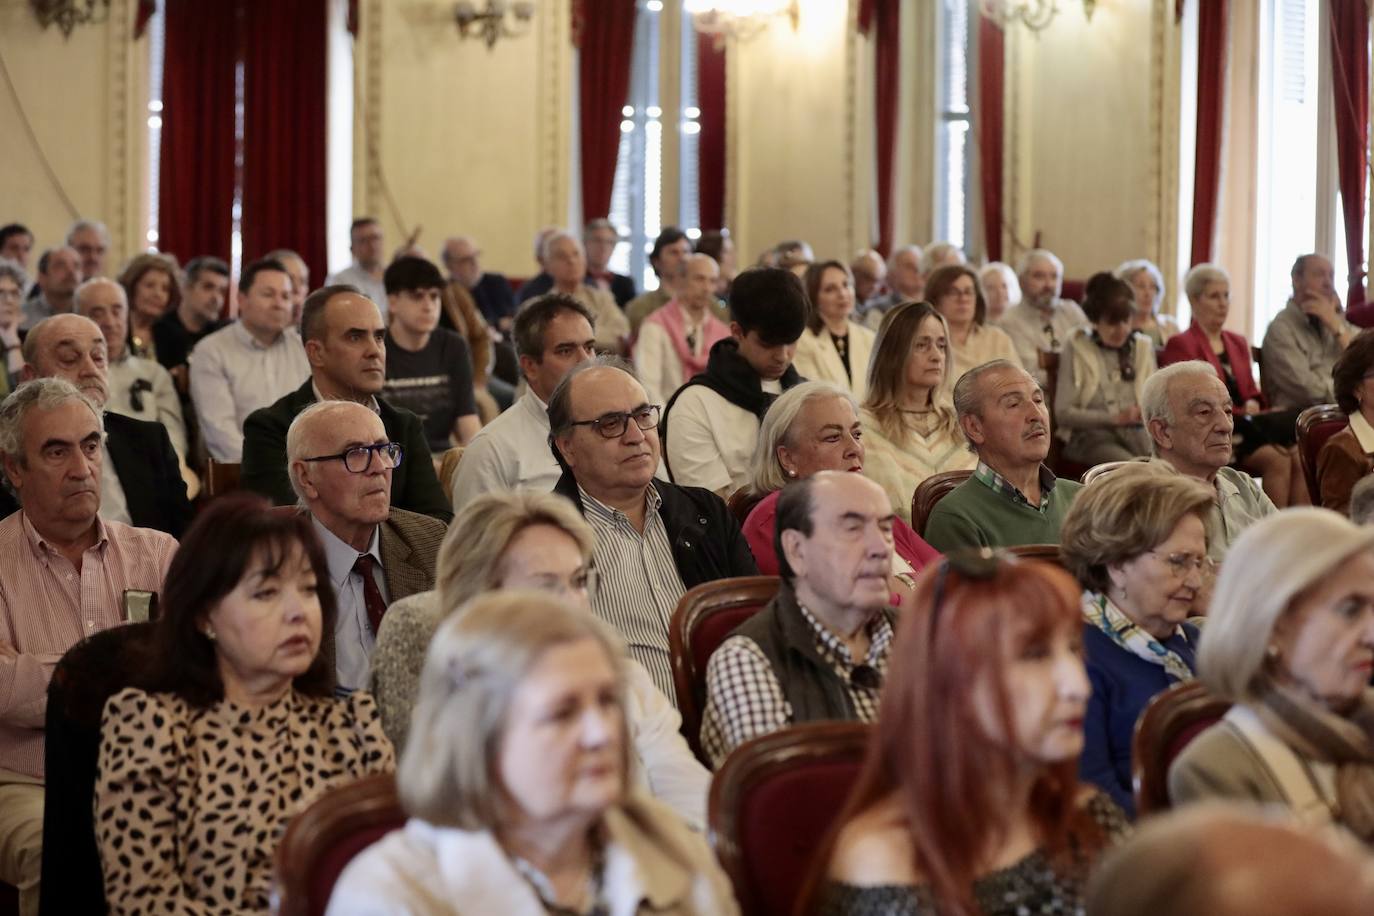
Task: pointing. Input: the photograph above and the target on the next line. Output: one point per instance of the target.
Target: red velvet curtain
(284, 91)
(1211, 106)
(196, 187)
(881, 20)
(605, 32)
(711, 140)
(1350, 78)
(991, 94)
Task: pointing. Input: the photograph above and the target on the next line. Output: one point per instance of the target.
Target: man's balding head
(70, 347)
(104, 301)
(343, 499)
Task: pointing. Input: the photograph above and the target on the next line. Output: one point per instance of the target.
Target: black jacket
(706, 538)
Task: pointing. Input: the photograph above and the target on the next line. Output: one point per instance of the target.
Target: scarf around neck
(729, 375)
(673, 319)
(1099, 611)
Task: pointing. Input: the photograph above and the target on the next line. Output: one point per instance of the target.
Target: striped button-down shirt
(47, 606)
(639, 582)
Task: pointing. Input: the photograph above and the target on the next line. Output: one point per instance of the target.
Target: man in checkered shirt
(819, 649)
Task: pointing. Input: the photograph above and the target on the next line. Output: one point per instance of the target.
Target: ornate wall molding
(553, 118)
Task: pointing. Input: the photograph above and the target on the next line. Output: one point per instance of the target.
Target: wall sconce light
(498, 19)
(742, 19)
(1035, 15)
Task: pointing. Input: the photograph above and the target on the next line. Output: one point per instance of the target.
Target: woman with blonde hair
(526, 539)
(152, 281)
(910, 430)
(517, 783)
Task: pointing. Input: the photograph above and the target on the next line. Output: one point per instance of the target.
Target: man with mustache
(1187, 411)
(1305, 339)
(654, 540)
(819, 650)
(341, 462)
(65, 574)
(1012, 498)
(1043, 321)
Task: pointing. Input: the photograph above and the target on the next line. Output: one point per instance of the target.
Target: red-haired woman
(969, 801)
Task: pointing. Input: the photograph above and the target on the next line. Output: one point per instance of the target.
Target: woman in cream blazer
(833, 348)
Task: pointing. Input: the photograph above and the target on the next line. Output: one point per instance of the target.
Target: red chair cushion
(332, 862)
(1318, 435)
(710, 632)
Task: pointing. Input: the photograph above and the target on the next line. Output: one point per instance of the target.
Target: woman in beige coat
(833, 348)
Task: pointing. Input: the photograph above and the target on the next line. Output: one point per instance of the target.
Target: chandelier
(498, 19)
(1035, 15)
(741, 19)
(68, 14)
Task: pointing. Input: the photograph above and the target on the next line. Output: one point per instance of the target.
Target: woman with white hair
(1001, 289)
(1147, 283)
(1290, 642)
(517, 783)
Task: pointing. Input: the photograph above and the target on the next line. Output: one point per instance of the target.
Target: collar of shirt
(999, 484)
(372, 404)
(834, 648)
(340, 556)
(42, 549)
(1364, 433)
(597, 511)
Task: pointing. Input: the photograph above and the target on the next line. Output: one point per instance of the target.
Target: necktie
(372, 595)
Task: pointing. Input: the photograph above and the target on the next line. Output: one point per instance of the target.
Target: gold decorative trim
(119, 157)
(851, 140)
(553, 118)
(371, 30)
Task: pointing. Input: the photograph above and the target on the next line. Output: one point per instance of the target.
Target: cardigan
(1080, 380)
(1193, 344)
(899, 467)
(984, 344)
(1343, 460)
(817, 359)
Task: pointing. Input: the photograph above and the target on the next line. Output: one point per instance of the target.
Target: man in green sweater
(1012, 498)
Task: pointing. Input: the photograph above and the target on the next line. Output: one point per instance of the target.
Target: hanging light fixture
(1035, 15)
(497, 20)
(68, 14)
(742, 19)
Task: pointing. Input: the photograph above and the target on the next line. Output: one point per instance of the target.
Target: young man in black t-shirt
(428, 368)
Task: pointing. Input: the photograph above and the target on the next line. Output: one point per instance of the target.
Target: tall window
(953, 151)
(157, 43)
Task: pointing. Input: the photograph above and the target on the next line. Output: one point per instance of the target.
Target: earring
(791, 473)
(210, 633)
(1272, 652)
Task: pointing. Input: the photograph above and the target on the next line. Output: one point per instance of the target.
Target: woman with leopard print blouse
(236, 728)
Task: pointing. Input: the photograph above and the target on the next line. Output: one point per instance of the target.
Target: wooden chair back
(1315, 425)
(742, 502)
(1171, 720)
(221, 477)
(929, 492)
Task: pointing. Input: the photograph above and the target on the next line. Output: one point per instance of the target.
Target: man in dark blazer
(341, 466)
(142, 484)
(345, 343)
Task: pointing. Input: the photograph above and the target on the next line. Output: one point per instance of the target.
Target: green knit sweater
(975, 515)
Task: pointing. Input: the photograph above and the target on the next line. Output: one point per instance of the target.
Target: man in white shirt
(1043, 321)
(675, 340)
(365, 241)
(552, 334)
(711, 425)
(249, 364)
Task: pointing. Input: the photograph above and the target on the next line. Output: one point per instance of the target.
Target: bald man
(340, 461)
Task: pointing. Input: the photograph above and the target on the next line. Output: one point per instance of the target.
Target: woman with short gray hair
(1290, 642)
(517, 782)
(1147, 285)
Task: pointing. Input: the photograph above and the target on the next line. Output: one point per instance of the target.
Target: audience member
(1012, 497)
(517, 782)
(152, 290)
(794, 255)
(1290, 642)
(1043, 321)
(299, 272)
(675, 341)
(346, 345)
(1225, 859)
(1266, 438)
(232, 730)
(367, 244)
(428, 368)
(138, 388)
(905, 283)
(669, 261)
(869, 271)
(530, 540)
(541, 282)
(717, 245)
(64, 574)
(953, 290)
(941, 254)
(968, 801)
(599, 239)
(819, 650)
(552, 333)
(90, 239)
(815, 427)
(715, 416)
(833, 348)
(16, 243)
(59, 274)
(1147, 287)
(1136, 541)
(1348, 456)
(1001, 290)
(341, 465)
(567, 265)
(248, 364)
(1362, 501)
(1188, 414)
(1102, 371)
(491, 291)
(142, 483)
(1304, 340)
(198, 315)
(909, 425)
(12, 283)
(655, 540)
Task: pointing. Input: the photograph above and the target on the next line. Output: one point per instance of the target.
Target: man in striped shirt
(64, 575)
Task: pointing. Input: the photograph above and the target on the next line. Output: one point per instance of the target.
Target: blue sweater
(1123, 685)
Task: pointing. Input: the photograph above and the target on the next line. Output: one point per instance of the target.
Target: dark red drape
(711, 141)
(1211, 107)
(991, 93)
(606, 32)
(880, 19)
(196, 184)
(284, 101)
(1350, 79)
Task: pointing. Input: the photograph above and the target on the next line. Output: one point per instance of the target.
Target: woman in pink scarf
(675, 341)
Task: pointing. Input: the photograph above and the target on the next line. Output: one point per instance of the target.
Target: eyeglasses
(981, 564)
(584, 580)
(359, 458)
(1183, 563)
(613, 425)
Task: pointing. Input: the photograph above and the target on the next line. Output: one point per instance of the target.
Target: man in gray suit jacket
(340, 461)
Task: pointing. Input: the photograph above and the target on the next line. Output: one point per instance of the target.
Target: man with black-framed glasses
(654, 539)
(341, 463)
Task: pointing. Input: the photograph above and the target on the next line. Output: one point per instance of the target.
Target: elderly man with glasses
(654, 540)
(341, 462)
